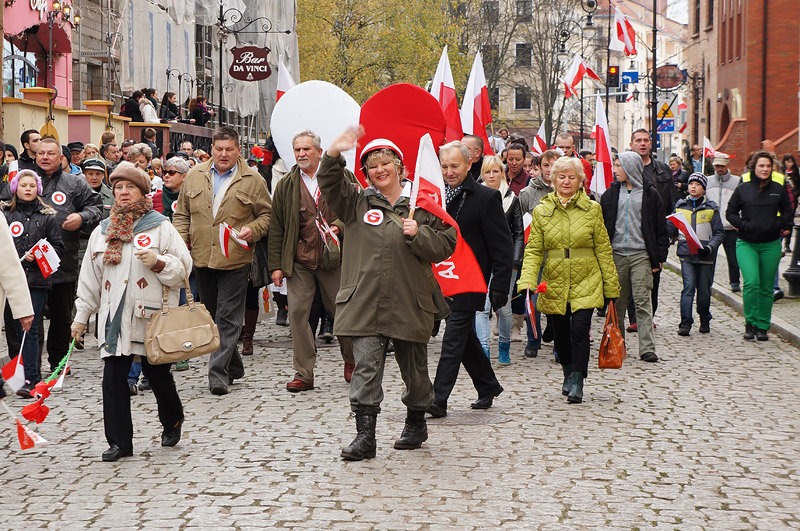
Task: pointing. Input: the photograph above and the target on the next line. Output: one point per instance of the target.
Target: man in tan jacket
(223, 189)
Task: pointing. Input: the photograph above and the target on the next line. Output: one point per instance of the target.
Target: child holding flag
(697, 262)
(30, 220)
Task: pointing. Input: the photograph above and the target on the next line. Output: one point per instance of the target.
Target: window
(710, 20)
(696, 16)
(739, 34)
(491, 11)
(523, 55)
(723, 41)
(524, 10)
(494, 97)
(491, 56)
(522, 98)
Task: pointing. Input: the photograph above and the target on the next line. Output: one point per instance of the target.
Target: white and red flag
(13, 168)
(526, 225)
(623, 36)
(13, 372)
(577, 70)
(285, 81)
(46, 257)
(540, 144)
(604, 168)
(683, 225)
(226, 234)
(27, 437)
(460, 273)
(708, 149)
(476, 111)
(443, 89)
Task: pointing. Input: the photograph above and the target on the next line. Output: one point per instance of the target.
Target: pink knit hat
(25, 173)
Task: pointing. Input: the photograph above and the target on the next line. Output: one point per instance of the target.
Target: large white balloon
(316, 105)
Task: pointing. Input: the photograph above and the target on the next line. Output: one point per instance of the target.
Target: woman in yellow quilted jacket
(568, 238)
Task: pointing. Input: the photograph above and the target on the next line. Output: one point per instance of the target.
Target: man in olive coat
(478, 210)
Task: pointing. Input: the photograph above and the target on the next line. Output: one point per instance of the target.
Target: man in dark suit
(478, 210)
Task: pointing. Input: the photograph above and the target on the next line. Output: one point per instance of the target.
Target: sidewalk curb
(780, 327)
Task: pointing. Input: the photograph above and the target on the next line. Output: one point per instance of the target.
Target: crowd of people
(355, 262)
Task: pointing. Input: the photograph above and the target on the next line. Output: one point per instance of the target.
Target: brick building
(744, 56)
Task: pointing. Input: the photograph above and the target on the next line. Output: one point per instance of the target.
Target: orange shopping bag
(612, 346)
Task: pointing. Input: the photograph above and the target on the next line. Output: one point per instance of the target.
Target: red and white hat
(380, 143)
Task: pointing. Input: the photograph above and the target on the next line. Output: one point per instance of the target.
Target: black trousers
(460, 345)
(117, 398)
(571, 334)
(61, 302)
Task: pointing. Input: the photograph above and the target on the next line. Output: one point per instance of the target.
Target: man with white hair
(302, 226)
(478, 210)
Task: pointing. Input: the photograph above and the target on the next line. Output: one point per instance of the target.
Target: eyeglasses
(173, 172)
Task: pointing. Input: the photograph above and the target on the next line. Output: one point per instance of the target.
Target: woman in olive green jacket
(569, 237)
(386, 290)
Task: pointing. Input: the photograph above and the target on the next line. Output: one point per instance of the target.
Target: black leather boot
(249, 328)
(363, 446)
(326, 330)
(576, 388)
(415, 432)
(565, 386)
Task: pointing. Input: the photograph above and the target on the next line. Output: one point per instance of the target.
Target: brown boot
(249, 328)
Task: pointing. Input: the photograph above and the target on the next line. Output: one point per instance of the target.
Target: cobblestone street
(706, 438)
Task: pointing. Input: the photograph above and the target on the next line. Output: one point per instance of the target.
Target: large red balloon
(402, 113)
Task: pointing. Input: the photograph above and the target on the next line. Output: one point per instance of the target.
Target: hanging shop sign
(669, 77)
(250, 64)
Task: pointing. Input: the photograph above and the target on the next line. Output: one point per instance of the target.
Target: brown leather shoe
(348, 371)
(297, 385)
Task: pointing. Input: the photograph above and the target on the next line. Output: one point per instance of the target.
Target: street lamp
(58, 14)
(586, 31)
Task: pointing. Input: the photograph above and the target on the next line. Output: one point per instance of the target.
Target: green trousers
(758, 263)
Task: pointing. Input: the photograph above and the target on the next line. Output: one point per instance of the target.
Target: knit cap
(698, 177)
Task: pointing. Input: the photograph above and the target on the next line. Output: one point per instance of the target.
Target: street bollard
(792, 273)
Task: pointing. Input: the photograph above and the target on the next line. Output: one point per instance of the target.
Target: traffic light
(613, 76)
(623, 96)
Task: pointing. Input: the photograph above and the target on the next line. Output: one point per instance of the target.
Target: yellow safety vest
(778, 177)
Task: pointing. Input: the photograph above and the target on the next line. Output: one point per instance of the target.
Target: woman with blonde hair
(569, 238)
(493, 173)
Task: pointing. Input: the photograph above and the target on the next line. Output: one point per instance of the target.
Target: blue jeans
(134, 372)
(192, 284)
(696, 277)
(30, 350)
(534, 342)
(482, 328)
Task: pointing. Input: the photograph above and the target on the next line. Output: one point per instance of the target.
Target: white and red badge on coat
(59, 198)
(174, 205)
(373, 217)
(142, 241)
(16, 229)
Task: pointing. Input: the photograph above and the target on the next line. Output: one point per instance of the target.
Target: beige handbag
(176, 334)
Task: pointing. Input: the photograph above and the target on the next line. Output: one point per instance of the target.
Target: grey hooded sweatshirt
(628, 238)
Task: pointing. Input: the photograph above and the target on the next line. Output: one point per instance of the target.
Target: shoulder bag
(181, 333)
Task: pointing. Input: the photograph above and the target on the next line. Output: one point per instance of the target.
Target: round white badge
(142, 241)
(17, 229)
(174, 205)
(59, 198)
(373, 217)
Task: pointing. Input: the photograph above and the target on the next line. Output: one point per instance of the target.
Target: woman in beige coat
(129, 257)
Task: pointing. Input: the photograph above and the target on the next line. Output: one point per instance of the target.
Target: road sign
(630, 77)
(667, 125)
(665, 112)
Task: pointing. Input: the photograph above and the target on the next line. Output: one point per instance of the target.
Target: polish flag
(629, 96)
(285, 81)
(623, 38)
(708, 149)
(603, 170)
(13, 372)
(13, 168)
(526, 225)
(476, 111)
(575, 74)
(460, 273)
(46, 257)
(27, 437)
(443, 89)
(679, 220)
(540, 144)
(226, 234)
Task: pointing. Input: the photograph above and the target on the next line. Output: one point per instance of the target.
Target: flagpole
(608, 55)
(654, 97)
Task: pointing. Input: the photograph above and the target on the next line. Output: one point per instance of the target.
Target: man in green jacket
(302, 228)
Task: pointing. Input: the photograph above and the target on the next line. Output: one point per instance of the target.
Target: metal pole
(50, 80)
(221, 40)
(583, 53)
(654, 94)
(608, 55)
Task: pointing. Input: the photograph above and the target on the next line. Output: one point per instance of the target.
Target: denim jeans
(696, 277)
(482, 328)
(534, 342)
(30, 350)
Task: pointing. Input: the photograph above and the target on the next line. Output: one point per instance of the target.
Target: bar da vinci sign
(250, 64)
